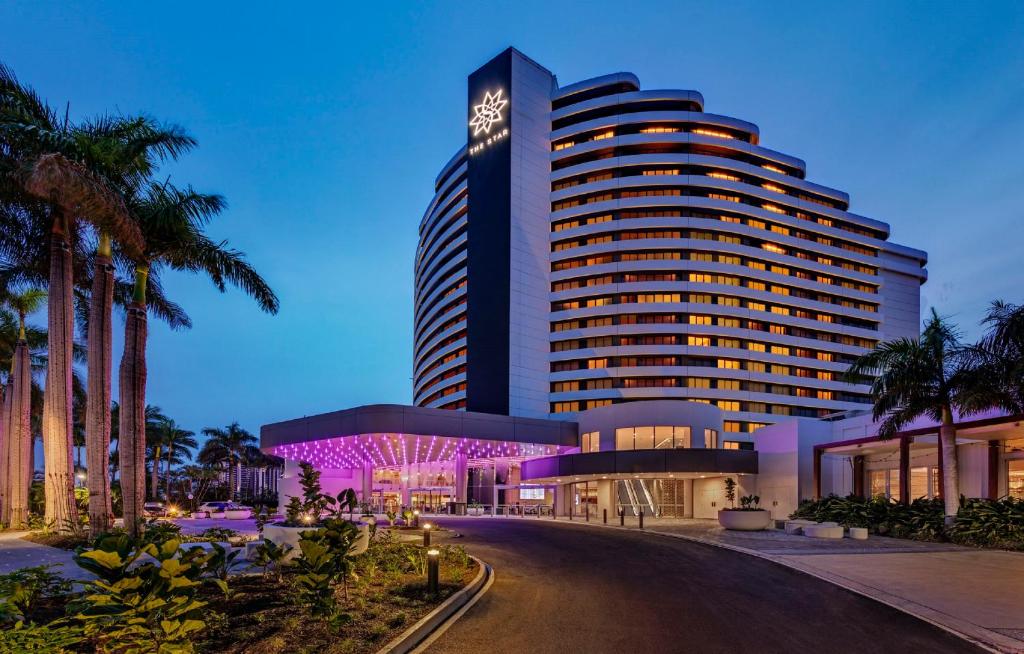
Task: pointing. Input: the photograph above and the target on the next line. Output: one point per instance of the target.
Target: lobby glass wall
(663, 498)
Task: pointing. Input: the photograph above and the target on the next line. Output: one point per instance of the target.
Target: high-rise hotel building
(596, 243)
(614, 288)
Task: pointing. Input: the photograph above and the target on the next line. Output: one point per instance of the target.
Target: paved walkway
(17, 553)
(977, 593)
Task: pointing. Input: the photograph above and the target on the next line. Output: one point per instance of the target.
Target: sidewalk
(978, 594)
(17, 553)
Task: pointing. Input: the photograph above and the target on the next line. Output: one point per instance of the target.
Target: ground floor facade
(660, 458)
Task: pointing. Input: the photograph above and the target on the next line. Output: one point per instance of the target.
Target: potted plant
(312, 512)
(475, 508)
(749, 516)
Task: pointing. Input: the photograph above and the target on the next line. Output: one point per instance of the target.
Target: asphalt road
(565, 589)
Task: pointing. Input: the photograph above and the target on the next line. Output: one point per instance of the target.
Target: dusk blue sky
(324, 127)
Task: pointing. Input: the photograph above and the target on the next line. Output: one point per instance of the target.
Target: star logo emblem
(488, 112)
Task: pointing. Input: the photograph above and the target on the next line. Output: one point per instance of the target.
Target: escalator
(634, 495)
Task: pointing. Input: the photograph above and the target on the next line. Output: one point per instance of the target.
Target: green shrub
(57, 637)
(138, 604)
(22, 590)
(979, 522)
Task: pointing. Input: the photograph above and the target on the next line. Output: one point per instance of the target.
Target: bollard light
(433, 560)
(426, 534)
(641, 517)
(416, 518)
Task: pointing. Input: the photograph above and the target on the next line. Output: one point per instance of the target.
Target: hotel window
(698, 382)
(563, 145)
(771, 247)
(726, 176)
(563, 407)
(729, 364)
(603, 135)
(591, 442)
(728, 384)
(774, 169)
(565, 387)
(700, 278)
(669, 171)
(756, 286)
(658, 130)
(598, 384)
(652, 437)
(729, 342)
(884, 483)
(728, 405)
(597, 363)
(729, 301)
(725, 198)
(698, 341)
(729, 322)
(781, 350)
(716, 134)
(734, 427)
(593, 404)
(700, 320)
(1015, 478)
(711, 439)
(773, 188)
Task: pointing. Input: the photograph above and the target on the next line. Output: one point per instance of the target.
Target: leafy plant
(141, 605)
(269, 553)
(325, 560)
(750, 503)
(22, 590)
(293, 511)
(57, 637)
(730, 491)
(159, 532)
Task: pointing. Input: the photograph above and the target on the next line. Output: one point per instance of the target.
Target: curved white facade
(684, 260)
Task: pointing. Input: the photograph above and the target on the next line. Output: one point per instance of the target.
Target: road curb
(435, 623)
(976, 635)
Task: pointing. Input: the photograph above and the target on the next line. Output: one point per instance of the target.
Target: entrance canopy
(392, 436)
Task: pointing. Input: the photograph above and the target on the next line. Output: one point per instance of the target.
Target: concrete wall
(529, 283)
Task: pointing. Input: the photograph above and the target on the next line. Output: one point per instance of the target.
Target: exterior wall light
(433, 560)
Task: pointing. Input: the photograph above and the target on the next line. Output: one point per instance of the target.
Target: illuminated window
(773, 188)
(725, 198)
(700, 320)
(564, 144)
(711, 439)
(563, 407)
(593, 404)
(774, 169)
(728, 384)
(781, 350)
(729, 342)
(658, 130)
(729, 364)
(731, 426)
(597, 363)
(728, 405)
(700, 278)
(755, 347)
(729, 322)
(698, 382)
(772, 208)
(726, 176)
(716, 134)
(699, 341)
(771, 247)
(669, 171)
(603, 135)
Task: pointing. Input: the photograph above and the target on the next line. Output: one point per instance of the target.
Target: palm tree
(179, 443)
(46, 158)
(130, 150)
(225, 448)
(171, 221)
(928, 376)
(15, 455)
(1000, 356)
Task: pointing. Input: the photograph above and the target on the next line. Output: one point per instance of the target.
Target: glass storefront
(1015, 478)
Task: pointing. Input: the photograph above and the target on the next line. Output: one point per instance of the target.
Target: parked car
(225, 510)
(154, 510)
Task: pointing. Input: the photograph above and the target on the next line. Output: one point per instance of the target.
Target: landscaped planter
(281, 535)
(238, 514)
(216, 514)
(475, 510)
(745, 520)
(199, 514)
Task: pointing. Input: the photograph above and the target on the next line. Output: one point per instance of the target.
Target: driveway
(565, 589)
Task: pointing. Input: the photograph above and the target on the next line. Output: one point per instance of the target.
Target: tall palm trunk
(132, 423)
(5, 460)
(154, 485)
(950, 472)
(61, 510)
(167, 472)
(19, 437)
(97, 407)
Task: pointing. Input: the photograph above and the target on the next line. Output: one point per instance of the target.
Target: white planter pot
(200, 514)
(238, 514)
(745, 520)
(281, 536)
(216, 514)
